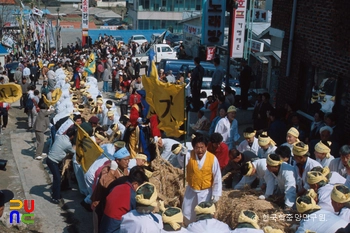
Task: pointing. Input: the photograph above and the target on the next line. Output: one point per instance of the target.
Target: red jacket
(213, 107)
(134, 99)
(221, 153)
(118, 202)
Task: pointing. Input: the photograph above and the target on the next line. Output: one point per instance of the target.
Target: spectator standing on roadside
(245, 80)
(196, 84)
(217, 78)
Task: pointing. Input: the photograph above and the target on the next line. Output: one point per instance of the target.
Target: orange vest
(200, 179)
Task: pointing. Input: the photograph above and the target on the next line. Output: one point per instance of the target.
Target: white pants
(79, 175)
(191, 199)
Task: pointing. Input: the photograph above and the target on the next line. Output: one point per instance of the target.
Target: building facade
(315, 60)
(157, 14)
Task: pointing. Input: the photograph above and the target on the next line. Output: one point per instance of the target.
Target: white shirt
(260, 166)
(302, 180)
(322, 221)
(246, 230)
(108, 149)
(133, 222)
(336, 165)
(244, 146)
(325, 162)
(223, 127)
(209, 226)
(26, 71)
(182, 230)
(344, 213)
(324, 197)
(167, 154)
(336, 178)
(90, 174)
(286, 183)
(263, 154)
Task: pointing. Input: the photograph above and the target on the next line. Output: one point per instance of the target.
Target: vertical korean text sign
(27, 217)
(238, 29)
(213, 22)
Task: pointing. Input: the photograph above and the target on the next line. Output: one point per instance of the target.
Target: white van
(161, 51)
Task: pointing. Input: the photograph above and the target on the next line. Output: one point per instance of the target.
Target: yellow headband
(148, 173)
(250, 168)
(272, 162)
(110, 113)
(249, 135)
(322, 94)
(81, 108)
(338, 196)
(303, 207)
(75, 100)
(152, 201)
(322, 148)
(300, 151)
(311, 193)
(294, 132)
(177, 149)
(326, 171)
(115, 128)
(269, 229)
(245, 219)
(99, 101)
(99, 136)
(141, 156)
(109, 105)
(119, 144)
(264, 141)
(315, 177)
(174, 220)
(208, 210)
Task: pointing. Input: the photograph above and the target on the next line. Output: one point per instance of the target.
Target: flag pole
(185, 136)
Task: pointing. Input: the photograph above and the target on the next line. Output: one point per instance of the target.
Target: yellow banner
(86, 149)
(10, 93)
(90, 65)
(56, 95)
(166, 101)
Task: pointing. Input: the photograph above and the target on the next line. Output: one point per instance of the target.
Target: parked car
(209, 68)
(174, 39)
(173, 65)
(140, 39)
(207, 91)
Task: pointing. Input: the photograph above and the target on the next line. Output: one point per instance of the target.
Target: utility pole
(57, 27)
(231, 6)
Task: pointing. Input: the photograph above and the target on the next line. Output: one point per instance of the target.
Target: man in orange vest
(203, 177)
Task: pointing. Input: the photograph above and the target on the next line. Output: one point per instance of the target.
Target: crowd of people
(301, 171)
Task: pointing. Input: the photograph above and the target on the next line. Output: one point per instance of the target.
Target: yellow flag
(87, 150)
(10, 93)
(90, 65)
(167, 101)
(56, 95)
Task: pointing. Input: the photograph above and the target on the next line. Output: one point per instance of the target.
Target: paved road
(30, 179)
